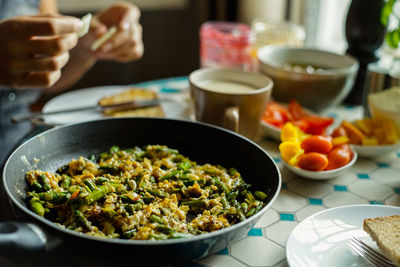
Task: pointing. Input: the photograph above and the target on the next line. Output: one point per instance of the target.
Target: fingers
(50, 45)
(31, 79)
(39, 64)
(44, 25)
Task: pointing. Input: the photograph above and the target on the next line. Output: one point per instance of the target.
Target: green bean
(37, 207)
(158, 237)
(184, 166)
(37, 187)
(201, 181)
(101, 180)
(109, 169)
(90, 184)
(66, 183)
(63, 169)
(73, 225)
(156, 219)
(129, 233)
(97, 194)
(170, 176)
(56, 197)
(148, 199)
(250, 197)
(127, 199)
(188, 182)
(221, 186)
(233, 172)
(260, 195)
(232, 195)
(44, 181)
(92, 158)
(197, 203)
(157, 192)
(83, 220)
(244, 206)
(140, 180)
(251, 212)
(224, 201)
(114, 149)
(164, 229)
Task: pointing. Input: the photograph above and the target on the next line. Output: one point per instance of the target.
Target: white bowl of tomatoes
(315, 156)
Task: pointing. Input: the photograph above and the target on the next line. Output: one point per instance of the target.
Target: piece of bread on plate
(132, 94)
(385, 231)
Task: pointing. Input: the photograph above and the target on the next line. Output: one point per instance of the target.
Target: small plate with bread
(321, 239)
(170, 106)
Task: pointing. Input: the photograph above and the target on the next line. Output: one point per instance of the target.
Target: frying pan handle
(21, 237)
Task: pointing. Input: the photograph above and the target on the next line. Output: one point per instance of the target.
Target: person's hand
(126, 45)
(34, 49)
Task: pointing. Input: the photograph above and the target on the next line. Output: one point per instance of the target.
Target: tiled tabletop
(369, 181)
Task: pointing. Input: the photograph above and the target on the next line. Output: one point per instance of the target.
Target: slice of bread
(132, 94)
(385, 231)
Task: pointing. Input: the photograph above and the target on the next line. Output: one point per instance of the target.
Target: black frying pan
(202, 143)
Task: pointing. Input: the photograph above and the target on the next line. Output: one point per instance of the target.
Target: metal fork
(369, 254)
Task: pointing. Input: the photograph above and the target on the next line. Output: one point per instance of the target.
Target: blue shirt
(15, 101)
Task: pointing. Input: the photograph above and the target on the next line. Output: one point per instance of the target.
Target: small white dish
(375, 151)
(321, 239)
(322, 175)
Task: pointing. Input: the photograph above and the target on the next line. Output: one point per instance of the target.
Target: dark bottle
(364, 35)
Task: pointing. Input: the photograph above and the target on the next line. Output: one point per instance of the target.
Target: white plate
(177, 108)
(321, 239)
(375, 151)
(322, 175)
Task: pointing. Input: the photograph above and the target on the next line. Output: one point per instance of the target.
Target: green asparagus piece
(82, 220)
(97, 194)
(197, 203)
(37, 207)
(260, 195)
(155, 219)
(129, 233)
(44, 181)
(66, 183)
(90, 184)
(37, 187)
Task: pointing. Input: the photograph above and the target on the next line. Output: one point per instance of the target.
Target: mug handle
(231, 119)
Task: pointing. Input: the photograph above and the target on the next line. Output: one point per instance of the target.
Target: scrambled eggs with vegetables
(145, 193)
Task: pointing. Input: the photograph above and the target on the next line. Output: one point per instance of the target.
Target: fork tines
(369, 254)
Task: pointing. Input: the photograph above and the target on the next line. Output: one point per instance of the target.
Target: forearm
(81, 60)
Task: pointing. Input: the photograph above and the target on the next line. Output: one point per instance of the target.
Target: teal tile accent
(284, 186)
(398, 154)
(362, 175)
(225, 251)
(342, 188)
(255, 232)
(397, 190)
(373, 202)
(315, 201)
(350, 107)
(383, 165)
(277, 160)
(286, 217)
(170, 90)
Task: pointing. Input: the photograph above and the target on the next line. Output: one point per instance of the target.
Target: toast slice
(131, 95)
(385, 231)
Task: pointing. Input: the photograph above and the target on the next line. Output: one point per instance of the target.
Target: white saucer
(321, 239)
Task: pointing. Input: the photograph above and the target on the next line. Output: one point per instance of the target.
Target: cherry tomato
(313, 161)
(317, 125)
(340, 131)
(296, 110)
(276, 114)
(339, 157)
(317, 143)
